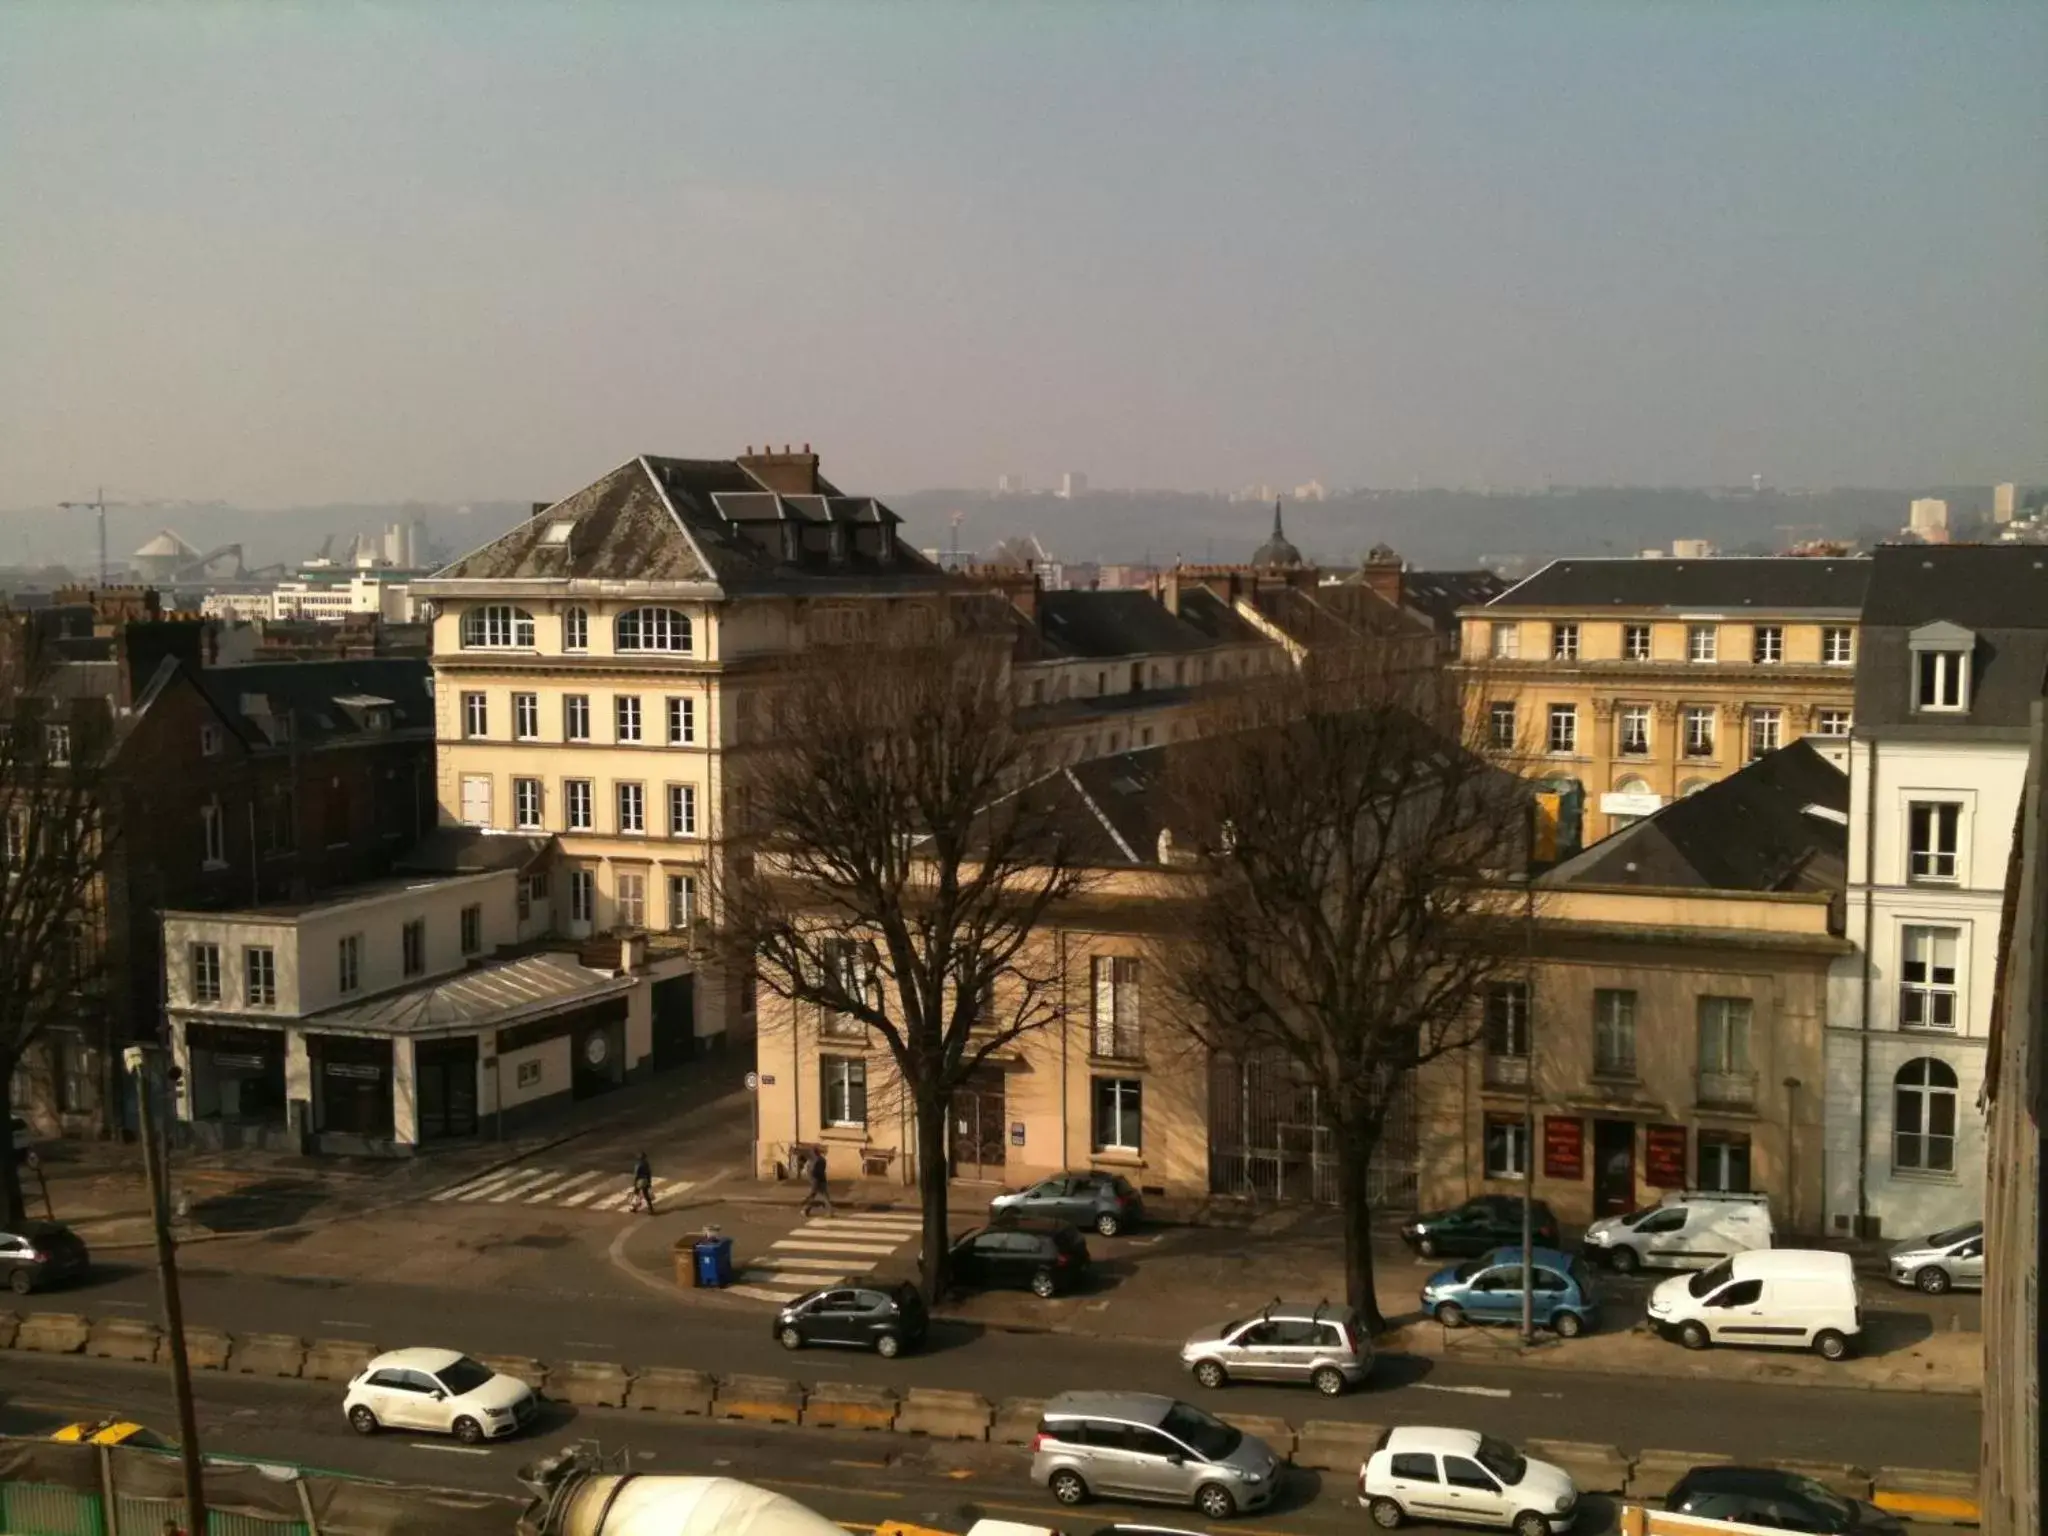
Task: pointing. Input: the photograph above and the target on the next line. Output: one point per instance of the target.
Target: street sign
(753, 1081)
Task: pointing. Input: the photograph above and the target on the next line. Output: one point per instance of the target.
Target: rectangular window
(259, 976)
(526, 716)
(1703, 642)
(349, 963)
(1635, 642)
(1699, 731)
(576, 804)
(1832, 722)
(626, 717)
(682, 810)
(1943, 681)
(1725, 1074)
(1507, 1018)
(1724, 1162)
(213, 835)
(1614, 1033)
(1933, 834)
(575, 717)
(1838, 646)
(412, 944)
(575, 630)
(472, 929)
(1507, 1147)
(57, 744)
(682, 900)
(1119, 1114)
(682, 722)
(526, 810)
(281, 821)
(1927, 977)
(1500, 726)
(1767, 644)
(79, 1068)
(1635, 730)
(209, 740)
(205, 973)
(1115, 1009)
(632, 808)
(1564, 728)
(582, 896)
(476, 715)
(1564, 642)
(476, 800)
(629, 888)
(529, 1074)
(1766, 732)
(843, 1091)
(1507, 642)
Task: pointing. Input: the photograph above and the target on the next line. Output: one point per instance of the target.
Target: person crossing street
(643, 1186)
(819, 1193)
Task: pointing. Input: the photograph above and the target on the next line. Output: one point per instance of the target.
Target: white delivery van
(1794, 1298)
(1687, 1229)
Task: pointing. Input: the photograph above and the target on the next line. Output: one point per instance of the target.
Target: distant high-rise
(1312, 491)
(1928, 514)
(1009, 485)
(2004, 502)
(1073, 483)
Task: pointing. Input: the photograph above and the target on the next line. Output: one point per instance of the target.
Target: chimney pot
(807, 447)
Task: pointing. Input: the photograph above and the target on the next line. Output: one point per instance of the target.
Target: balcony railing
(1733, 1090)
(1507, 1071)
(1113, 1042)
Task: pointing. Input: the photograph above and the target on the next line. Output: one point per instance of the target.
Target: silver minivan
(1313, 1344)
(1138, 1445)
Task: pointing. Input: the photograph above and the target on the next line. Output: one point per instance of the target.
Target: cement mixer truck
(577, 1494)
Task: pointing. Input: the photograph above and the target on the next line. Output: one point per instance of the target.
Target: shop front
(235, 1086)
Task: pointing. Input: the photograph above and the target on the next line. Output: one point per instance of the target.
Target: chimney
(538, 508)
(1382, 573)
(1169, 591)
(785, 473)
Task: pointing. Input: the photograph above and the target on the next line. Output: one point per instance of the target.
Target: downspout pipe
(1869, 986)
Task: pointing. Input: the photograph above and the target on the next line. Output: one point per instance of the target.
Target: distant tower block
(2005, 500)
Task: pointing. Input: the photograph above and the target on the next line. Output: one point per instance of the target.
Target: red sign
(1664, 1153)
(1564, 1148)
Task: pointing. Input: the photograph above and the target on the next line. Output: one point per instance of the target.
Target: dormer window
(558, 532)
(1941, 668)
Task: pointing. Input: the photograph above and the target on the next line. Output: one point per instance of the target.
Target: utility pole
(1529, 1115)
(140, 1061)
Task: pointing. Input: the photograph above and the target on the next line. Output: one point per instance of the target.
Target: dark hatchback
(1478, 1226)
(888, 1321)
(1045, 1258)
(41, 1254)
(1783, 1501)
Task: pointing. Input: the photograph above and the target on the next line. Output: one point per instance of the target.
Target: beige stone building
(1626, 684)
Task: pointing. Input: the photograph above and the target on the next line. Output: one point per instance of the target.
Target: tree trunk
(13, 1205)
(932, 1176)
(1354, 1164)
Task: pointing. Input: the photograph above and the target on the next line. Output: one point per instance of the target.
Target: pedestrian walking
(643, 1186)
(819, 1195)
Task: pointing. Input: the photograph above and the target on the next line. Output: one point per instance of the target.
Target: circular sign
(753, 1081)
(595, 1050)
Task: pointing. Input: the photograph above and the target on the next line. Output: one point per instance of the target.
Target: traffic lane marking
(456, 1450)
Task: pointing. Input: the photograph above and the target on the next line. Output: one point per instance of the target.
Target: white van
(1687, 1229)
(1794, 1298)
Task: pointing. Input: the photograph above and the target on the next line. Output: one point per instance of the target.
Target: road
(603, 1315)
(855, 1479)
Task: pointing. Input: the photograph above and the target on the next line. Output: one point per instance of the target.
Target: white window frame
(682, 810)
(526, 717)
(575, 717)
(576, 629)
(1767, 645)
(529, 813)
(1122, 1128)
(682, 901)
(629, 802)
(654, 629)
(582, 896)
(1504, 641)
(629, 898)
(682, 722)
(1614, 1023)
(1564, 743)
(1116, 1007)
(1823, 719)
(1631, 650)
(476, 715)
(1949, 673)
(1499, 712)
(1564, 642)
(1512, 1165)
(1766, 731)
(838, 1078)
(476, 799)
(1629, 743)
(1940, 862)
(626, 718)
(496, 627)
(1929, 1143)
(1702, 643)
(1838, 646)
(259, 976)
(1921, 946)
(1697, 743)
(579, 809)
(203, 962)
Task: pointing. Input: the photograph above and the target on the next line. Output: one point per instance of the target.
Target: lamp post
(1529, 1116)
(1792, 1087)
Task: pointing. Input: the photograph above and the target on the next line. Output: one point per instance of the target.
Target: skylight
(558, 533)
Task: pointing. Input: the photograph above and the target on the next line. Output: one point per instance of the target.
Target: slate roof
(254, 697)
(1118, 622)
(1769, 582)
(1749, 832)
(1109, 809)
(1998, 592)
(1438, 595)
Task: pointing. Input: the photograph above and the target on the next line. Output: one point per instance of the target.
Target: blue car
(1488, 1289)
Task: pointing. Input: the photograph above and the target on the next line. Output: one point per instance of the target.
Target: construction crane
(99, 503)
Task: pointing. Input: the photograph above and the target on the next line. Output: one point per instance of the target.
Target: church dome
(1277, 551)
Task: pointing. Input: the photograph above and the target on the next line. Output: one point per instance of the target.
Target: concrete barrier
(672, 1389)
(53, 1333)
(590, 1383)
(337, 1359)
(207, 1349)
(519, 1367)
(1594, 1468)
(268, 1354)
(1938, 1498)
(1655, 1471)
(760, 1399)
(849, 1405)
(1335, 1445)
(1838, 1477)
(944, 1415)
(1016, 1420)
(1277, 1433)
(124, 1338)
(10, 1325)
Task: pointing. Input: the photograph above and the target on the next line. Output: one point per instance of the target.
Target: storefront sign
(224, 1061)
(1564, 1148)
(1016, 1133)
(353, 1070)
(1664, 1156)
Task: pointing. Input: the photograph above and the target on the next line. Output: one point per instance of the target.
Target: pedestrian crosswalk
(588, 1190)
(825, 1250)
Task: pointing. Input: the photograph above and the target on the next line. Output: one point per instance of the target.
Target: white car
(1465, 1477)
(440, 1390)
(1687, 1230)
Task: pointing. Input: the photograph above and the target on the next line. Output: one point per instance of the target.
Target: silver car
(1138, 1445)
(1315, 1344)
(1945, 1259)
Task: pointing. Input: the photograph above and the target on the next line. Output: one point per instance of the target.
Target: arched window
(497, 628)
(653, 629)
(1924, 1116)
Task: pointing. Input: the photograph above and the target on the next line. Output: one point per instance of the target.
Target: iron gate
(1267, 1139)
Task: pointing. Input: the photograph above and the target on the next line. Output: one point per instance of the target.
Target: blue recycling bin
(714, 1262)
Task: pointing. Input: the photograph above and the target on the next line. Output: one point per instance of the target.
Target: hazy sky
(298, 253)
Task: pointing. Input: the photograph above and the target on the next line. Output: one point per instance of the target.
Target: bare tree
(54, 761)
(901, 868)
(1356, 843)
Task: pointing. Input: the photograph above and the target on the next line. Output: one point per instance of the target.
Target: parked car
(113, 1432)
(23, 1136)
(1782, 1501)
(1687, 1230)
(1478, 1226)
(1045, 1258)
(1103, 1201)
(1143, 1446)
(1026, 1528)
(1488, 1289)
(1793, 1298)
(440, 1390)
(1934, 1264)
(868, 1317)
(1466, 1477)
(1320, 1345)
(39, 1254)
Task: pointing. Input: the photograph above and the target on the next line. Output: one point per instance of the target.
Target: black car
(1478, 1226)
(1783, 1501)
(41, 1253)
(1042, 1257)
(864, 1317)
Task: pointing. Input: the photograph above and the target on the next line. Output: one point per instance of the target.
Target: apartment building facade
(1625, 684)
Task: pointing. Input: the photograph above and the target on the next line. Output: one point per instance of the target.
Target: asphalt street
(620, 1320)
(856, 1479)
